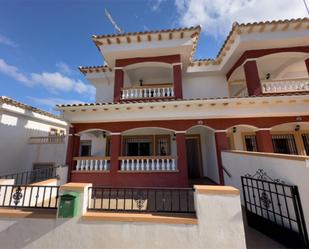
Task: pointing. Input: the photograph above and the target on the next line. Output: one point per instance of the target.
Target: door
(194, 157)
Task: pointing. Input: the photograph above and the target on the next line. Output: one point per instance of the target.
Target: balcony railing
(148, 92)
(47, 140)
(282, 86)
(148, 163)
(92, 163)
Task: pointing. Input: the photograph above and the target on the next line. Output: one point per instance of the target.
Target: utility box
(69, 204)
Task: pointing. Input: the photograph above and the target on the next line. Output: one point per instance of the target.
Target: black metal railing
(25, 196)
(169, 200)
(33, 176)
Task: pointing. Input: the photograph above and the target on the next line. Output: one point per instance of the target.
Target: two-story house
(162, 118)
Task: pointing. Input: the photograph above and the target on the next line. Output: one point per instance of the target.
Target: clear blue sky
(43, 42)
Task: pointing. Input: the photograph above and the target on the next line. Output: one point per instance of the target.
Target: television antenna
(306, 6)
(110, 18)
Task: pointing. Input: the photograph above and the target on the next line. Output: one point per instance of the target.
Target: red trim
(119, 76)
(221, 144)
(72, 149)
(249, 54)
(115, 153)
(264, 141)
(183, 125)
(177, 81)
(182, 158)
(252, 78)
(170, 59)
(307, 65)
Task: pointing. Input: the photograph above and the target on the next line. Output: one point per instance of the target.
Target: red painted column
(182, 159)
(115, 152)
(119, 76)
(221, 144)
(307, 65)
(177, 81)
(252, 78)
(264, 141)
(72, 150)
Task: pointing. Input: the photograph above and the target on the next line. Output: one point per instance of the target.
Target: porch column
(182, 158)
(115, 152)
(221, 144)
(72, 150)
(177, 80)
(307, 65)
(119, 76)
(264, 141)
(252, 78)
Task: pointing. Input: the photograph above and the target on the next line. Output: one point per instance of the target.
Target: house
(30, 138)
(162, 118)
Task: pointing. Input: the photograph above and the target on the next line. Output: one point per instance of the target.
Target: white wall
(220, 225)
(197, 85)
(15, 151)
(98, 143)
(293, 172)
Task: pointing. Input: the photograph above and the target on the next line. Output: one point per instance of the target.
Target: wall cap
(75, 186)
(45, 183)
(18, 213)
(265, 154)
(151, 218)
(216, 190)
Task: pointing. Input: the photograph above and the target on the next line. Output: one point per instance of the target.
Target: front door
(194, 156)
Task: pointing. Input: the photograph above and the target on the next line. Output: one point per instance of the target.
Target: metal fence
(25, 196)
(33, 176)
(169, 200)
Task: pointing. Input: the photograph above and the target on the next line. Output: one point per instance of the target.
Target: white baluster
(95, 164)
(78, 165)
(86, 165)
(142, 165)
(122, 166)
(147, 164)
(140, 93)
(157, 165)
(105, 165)
(163, 165)
(163, 92)
(91, 164)
(168, 92)
(137, 164)
(152, 164)
(172, 91)
(173, 164)
(82, 165)
(100, 165)
(168, 166)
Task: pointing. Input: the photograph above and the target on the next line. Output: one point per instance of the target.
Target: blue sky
(42, 42)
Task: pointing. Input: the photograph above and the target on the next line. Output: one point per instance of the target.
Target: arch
(92, 130)
(254, 54)
(148, 64)
(246, 126)
(146, 128)
(202, 126)
(290, 126)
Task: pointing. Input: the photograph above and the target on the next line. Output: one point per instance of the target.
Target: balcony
(92, 163)
(148, 164)
(285, 85)
(47, 140)
(148, 92)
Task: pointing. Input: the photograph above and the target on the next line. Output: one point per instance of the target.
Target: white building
(29, 138)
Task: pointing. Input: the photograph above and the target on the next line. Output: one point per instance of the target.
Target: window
(85, 148)
(147, 145)
(250, 142)
(138, 146)
(305, 138)
(163, 145)
(284, 144)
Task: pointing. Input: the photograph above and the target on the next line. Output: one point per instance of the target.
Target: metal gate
(274, 208)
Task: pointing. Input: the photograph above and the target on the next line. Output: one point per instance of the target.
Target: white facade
(17, 125)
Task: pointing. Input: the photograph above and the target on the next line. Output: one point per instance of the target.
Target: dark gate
(274, 208)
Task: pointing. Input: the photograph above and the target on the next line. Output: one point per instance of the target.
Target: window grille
(305, 138)
(284, 144)
(163, 146)
(250, 143)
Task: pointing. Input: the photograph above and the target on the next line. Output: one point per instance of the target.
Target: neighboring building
(162, 118)
(30, 138)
